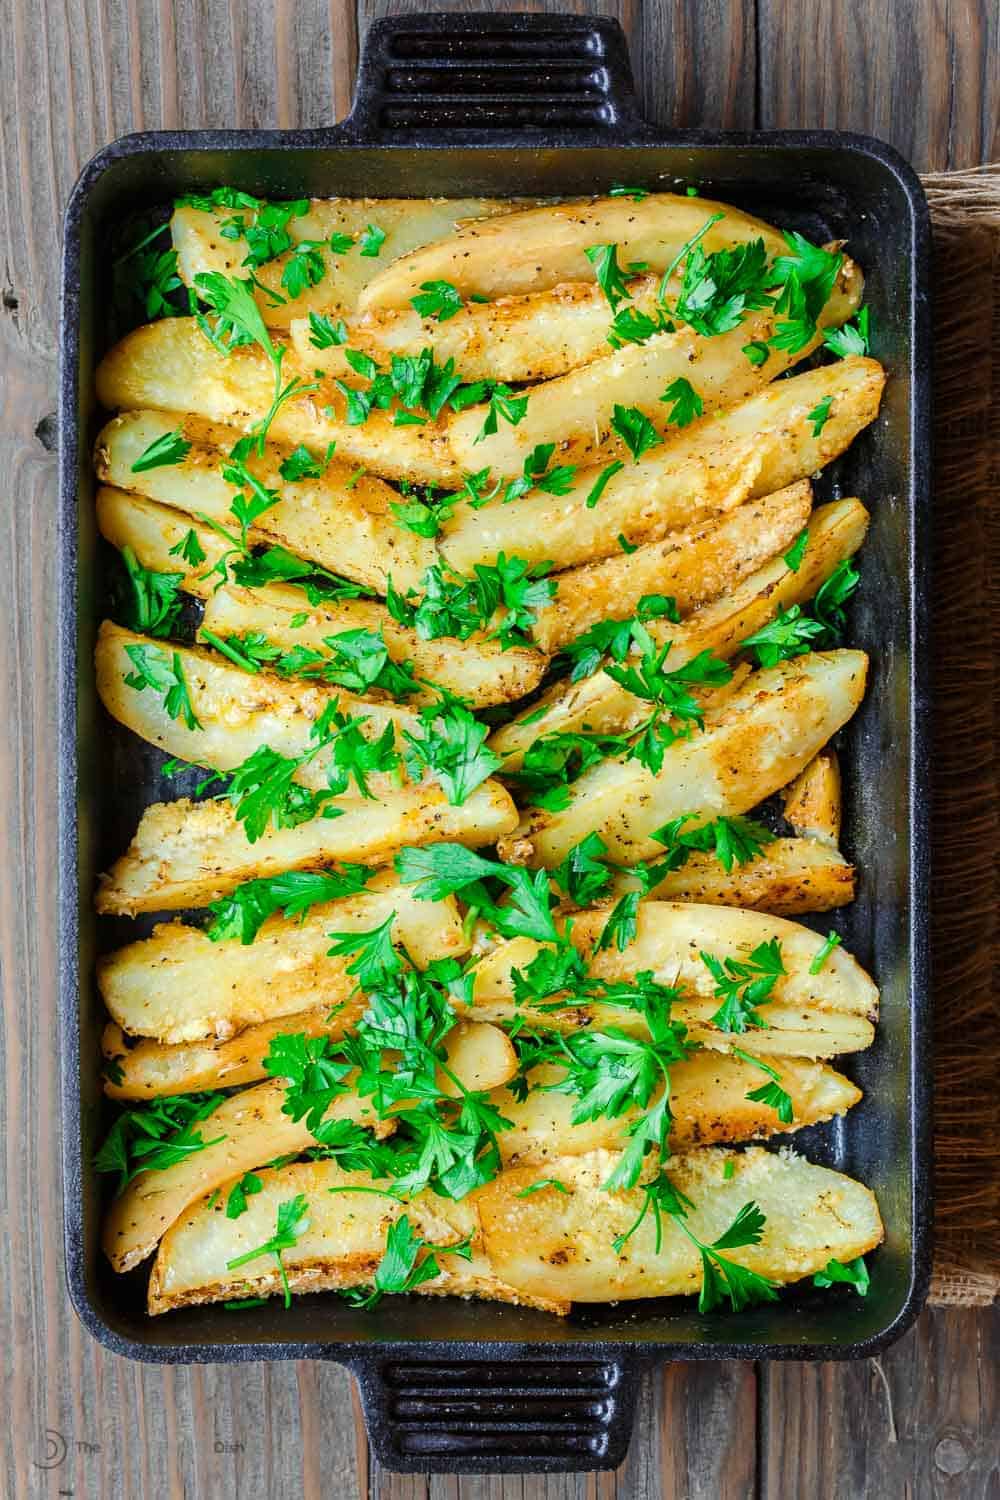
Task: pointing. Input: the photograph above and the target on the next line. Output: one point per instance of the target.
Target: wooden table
(919, 1421)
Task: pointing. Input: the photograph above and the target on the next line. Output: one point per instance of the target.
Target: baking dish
(536, 105)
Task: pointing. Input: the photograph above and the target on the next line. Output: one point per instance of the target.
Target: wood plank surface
(73, 74)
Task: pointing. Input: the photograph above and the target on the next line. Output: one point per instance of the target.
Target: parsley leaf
(300, 464)
(756, 352)
(793, 557)
(168, 448)
(242, 913)
(686, 403)
(437, 299)
(610, 276)
(620, 928)
(164, 673)
(155, 601)
(851, 338)
(744, 984)
(833, 940)
(371, 241)
(771, 1094)
(324, 333)
(408, 1262)
(236, 1202)
(601, 482)
(735, 840)
(291, 1223)
(156, 1136)
(451, 745)
(502, 403)
(854, 1273)
(635, 430)
(820, 415)
(312, 1076)
(790, 633)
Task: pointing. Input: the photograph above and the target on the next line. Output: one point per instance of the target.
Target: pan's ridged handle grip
(508, 1416)
(495, 75)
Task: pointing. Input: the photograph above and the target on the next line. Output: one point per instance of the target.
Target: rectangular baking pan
(536, 105)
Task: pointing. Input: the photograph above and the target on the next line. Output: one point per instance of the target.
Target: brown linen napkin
(965, 211)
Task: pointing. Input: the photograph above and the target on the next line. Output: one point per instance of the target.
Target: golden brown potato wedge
(179, 985)
(575, 411)
(691, 567)
(790, 877)
(600, 704)
(765, 734)
(754, 449)
(812, 801)
(537, 248)
(147, 1069)
(560, 1244)
(341, 1246)
(478, 669)
(480, 1056)
(245, 1131)
(345, 525)
(171, 366)
(533, 337)
(406, 222)
(238, 712)
(188, 854)
(708, 1101)
(810, 1015)
(153, 532)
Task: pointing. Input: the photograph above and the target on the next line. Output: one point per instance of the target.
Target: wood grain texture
(921, 74)
(74, 74)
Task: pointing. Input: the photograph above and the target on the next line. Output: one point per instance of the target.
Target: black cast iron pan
(536, 105)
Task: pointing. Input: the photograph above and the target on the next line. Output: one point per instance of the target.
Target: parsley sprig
(156, 1136)
(744, 984)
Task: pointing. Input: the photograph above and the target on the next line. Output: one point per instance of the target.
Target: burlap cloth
(965, 208)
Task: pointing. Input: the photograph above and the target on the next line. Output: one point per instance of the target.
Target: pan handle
(494, 77)
(545, 1415)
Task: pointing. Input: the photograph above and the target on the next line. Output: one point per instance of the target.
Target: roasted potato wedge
(790, 877)
(754, 449)
(692, 567)
(477, 669)
(809, 1015)
(812, 801)
(180, 986)
(406, 222)
(600, 704)
(561, 1244)
(153, 532)
(244, 1131)
(708, 1100)
(766, 733)
(188, 854)
(537, 248)
(147, 1069)
(340, 521)
(171, 366)
(533, 337)
(480, 1055)
(341, 1246)
(575, 411)
(237, 712)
